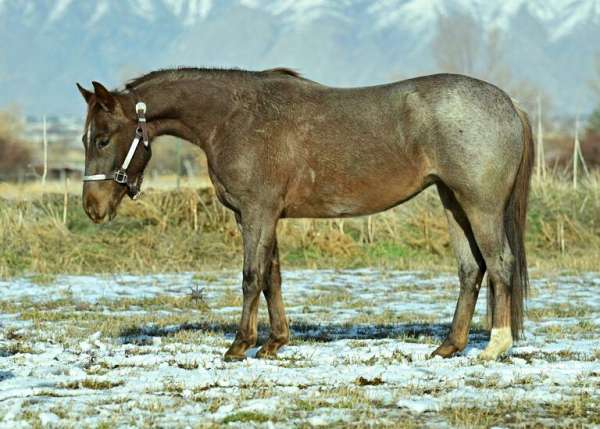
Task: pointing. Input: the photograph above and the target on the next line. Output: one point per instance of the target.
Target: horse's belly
(343, 199)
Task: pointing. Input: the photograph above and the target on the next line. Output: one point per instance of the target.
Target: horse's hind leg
(279, 327)
(471, 268)
(488, 228)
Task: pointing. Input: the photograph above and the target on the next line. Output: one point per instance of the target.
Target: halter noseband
(120, 175)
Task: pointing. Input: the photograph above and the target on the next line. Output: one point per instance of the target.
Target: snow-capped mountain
(47, 45)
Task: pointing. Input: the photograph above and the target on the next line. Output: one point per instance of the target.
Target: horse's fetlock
(248, 340)
(281, 338)
(459, 343)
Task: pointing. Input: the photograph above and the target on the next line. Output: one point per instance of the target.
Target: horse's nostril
(90, 205)
(95, 215)
(91, 212)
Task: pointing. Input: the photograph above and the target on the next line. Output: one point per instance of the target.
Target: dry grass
(187, 230)
(570, 412)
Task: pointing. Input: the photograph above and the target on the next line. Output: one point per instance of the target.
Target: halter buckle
(120, 177)
(140, 108)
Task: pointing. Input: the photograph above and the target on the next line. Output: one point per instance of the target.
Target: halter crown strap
(140, 108)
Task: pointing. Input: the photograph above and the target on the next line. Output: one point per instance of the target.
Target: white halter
(120, 175)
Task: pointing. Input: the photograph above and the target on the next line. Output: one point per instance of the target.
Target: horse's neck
(190, 111)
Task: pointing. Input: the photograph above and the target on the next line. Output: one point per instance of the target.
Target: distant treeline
(15, 153)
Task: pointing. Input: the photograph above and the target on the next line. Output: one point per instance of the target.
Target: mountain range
(48, 45)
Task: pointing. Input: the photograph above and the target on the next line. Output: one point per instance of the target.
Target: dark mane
(284, 71)
(180, 73)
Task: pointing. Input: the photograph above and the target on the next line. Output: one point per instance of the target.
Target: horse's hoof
(486, 356)
(446, 350)
(500, 342)
(266, 353)
(230, 357)
(237, 351)
(491, 353)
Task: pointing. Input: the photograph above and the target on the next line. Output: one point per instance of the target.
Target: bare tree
(456, 44)
(593, 123)
(494, 56)
(10, 122)
(595, 82)
(15, 154)
(462, 46)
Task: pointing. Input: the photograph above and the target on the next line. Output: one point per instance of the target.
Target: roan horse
(281, 146)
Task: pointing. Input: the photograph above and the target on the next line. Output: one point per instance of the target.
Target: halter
(120, 175)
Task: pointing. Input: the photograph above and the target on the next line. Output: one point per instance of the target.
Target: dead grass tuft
(187, 230)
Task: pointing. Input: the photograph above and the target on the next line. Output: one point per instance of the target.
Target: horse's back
(362, 150)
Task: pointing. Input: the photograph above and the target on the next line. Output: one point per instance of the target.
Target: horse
(279, 145)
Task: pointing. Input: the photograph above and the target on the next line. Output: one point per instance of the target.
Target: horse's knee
(500, 267)
(250, 284)
(500, 277)
(254, 280)
(469, 273)
(249, 274)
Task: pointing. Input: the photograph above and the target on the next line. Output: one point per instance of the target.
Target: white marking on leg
(500, 342)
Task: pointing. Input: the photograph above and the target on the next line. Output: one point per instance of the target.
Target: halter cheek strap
(120, 175)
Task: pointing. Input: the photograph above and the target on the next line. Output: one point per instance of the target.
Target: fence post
(65, 200)
(540, 159)
(178, 155)
(45, 143)
(578, 155)
(575, 151)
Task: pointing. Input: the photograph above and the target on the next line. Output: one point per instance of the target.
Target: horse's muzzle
(98, 207)
(97, 213)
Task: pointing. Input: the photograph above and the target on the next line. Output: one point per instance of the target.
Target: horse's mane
(190, 73)
(284, 71)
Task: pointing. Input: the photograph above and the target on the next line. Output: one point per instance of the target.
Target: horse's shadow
(308, 331)
(5, 375)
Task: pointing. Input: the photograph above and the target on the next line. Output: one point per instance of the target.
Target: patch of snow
(419, 405)
(328, 352)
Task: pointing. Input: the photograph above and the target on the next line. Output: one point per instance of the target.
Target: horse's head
(114, 160)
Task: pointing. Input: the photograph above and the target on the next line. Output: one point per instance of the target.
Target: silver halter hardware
(120, 175)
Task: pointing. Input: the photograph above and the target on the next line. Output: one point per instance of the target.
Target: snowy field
(128, 351)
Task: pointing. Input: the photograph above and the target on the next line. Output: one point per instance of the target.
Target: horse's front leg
(258, 233)
(279, 327)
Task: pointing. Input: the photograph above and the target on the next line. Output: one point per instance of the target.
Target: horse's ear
(87, 95)
(104, 97)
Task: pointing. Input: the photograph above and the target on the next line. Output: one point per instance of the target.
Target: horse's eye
(101, 143)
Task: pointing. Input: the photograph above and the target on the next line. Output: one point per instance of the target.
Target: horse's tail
(515, 218)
